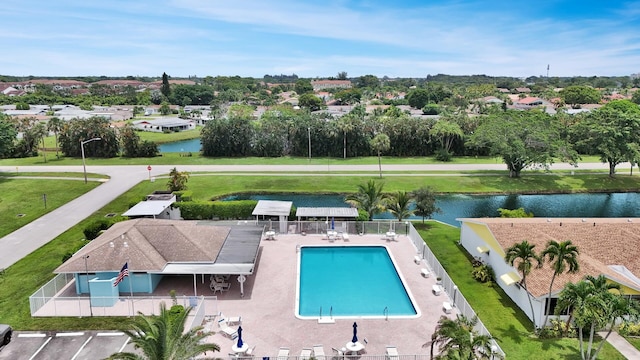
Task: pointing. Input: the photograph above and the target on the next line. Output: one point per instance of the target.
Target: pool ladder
(385, 312)
(330, 312)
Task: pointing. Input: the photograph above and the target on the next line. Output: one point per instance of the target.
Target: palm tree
(55, 125)
(398, 205)
(524, 255)
(368, 198)
(380, 143)
(571, 298)
(563, 258)
(620, 308)
(162, 337)
(457, 339)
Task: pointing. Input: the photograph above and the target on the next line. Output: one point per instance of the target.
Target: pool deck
(268, 307)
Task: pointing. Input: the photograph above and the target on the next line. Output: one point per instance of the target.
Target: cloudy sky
(319, 38)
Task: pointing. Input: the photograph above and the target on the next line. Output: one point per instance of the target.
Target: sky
(311, 38)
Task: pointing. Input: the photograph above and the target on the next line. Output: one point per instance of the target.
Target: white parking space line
(124, 345)
(31, 335)
(81, 347)
(110, 334)
(40, 348)
(69, 334)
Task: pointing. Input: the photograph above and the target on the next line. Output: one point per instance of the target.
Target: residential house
(165, 124)
(319, 85)
(608, 246)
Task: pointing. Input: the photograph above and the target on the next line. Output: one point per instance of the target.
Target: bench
(425, 272)
(446, 306)
(417, 259)
(436, 289)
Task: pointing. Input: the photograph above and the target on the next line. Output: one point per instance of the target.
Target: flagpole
(130, 277)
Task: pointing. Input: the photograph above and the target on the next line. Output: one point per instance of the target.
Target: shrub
(183, 195)
(22, 106)
(557, 329)
(195, 210)
(483, 273)
(200, 210)
(93, 230)
(431, 109)
(630, 329)
(69, 254)
(443, 155)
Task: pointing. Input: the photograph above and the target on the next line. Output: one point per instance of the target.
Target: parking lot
(83, 345)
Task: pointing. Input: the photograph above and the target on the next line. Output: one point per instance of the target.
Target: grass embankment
(635, 341)
(506, 322)
(25, 196)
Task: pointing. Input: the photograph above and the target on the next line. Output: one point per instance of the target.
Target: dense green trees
(133, 147)
(522, 139)
(578, 94)
(7, 136)
(77, 130)
(458, 339)
(310, 101)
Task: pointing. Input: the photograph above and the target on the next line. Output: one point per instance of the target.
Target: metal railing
(48, 291)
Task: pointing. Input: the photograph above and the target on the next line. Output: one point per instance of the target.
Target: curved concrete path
(39, 232)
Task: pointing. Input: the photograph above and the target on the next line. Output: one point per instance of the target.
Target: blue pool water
(354, 281)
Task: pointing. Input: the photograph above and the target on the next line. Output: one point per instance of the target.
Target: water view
(192, 145)
(457, 206)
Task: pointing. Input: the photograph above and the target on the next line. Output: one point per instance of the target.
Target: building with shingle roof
(154, 248)
(608, 246)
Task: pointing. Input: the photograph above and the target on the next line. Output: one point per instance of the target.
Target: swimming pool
(351, 282)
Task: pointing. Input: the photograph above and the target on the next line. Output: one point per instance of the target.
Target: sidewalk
(622, 345)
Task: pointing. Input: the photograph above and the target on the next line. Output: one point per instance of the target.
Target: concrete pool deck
(268, 307)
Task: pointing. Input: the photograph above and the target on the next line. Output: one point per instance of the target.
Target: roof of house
(529, 100)
(272, 207)
(166, 122)
(149, 245)
(149, 208)
(605, 244)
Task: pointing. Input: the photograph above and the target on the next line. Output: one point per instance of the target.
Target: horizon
(406, 39)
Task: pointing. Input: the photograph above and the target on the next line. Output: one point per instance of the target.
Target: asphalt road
(30, 237)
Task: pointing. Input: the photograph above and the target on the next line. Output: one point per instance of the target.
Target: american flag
(124, 272)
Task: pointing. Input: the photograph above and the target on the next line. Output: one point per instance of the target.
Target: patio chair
(392, 353)
(318, 352)
(338, 354)
(305, 354)
(227, 330)
(283, 353)
(231, 320)
(250, 351)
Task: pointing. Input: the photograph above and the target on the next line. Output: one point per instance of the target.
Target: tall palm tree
(523, 254)
(620, 308)
(563, 258)
(398, 205)
(571, 298)
(380, 143)
(55, 125)
(369, 198)
(162, 337)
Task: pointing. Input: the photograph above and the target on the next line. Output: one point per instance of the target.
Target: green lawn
(160, 138)
(25, 196)
(634, 340)
(506, 322)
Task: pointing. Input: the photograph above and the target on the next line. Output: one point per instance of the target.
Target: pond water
(192, 145)
(457, 206)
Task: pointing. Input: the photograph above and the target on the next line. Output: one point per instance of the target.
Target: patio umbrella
(355, 332)
(240, 337)
(333, 223)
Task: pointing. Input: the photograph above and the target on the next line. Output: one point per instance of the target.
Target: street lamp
(86, 272)
(309, 133)
(84, 166)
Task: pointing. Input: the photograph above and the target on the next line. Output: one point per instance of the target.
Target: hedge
(224, 210)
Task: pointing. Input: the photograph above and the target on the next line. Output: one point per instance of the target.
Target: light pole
(455, 292)
(86, 272)
(84, 166)
(309, 133)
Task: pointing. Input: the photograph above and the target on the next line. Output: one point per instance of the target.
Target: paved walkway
(622, 345)
(122, 177)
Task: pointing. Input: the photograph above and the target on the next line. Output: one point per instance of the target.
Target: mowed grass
(25, 196)
(506, 322)
(635, 341)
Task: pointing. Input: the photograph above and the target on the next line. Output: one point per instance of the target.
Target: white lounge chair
(231, 320)
(338, 354)
(305, 354)
(392, 353)
(226, 329)
(318, 352)
(250, 351)
(283, 353)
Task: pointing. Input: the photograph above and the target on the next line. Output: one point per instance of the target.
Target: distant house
(609, 247)
(529, 102)
(165, 124)
(319, 85)
(523, 90)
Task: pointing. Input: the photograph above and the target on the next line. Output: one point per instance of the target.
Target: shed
(281, 209)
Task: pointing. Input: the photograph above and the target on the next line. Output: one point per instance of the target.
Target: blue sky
(319, 38)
